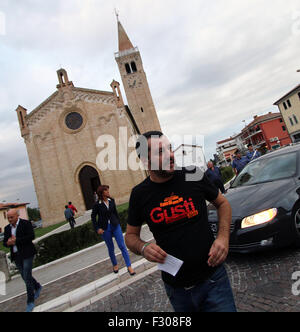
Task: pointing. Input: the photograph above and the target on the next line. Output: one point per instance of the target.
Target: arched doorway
(89, 182)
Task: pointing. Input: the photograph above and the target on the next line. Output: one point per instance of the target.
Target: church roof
(51, 98)
(7, 206)
(124, 41)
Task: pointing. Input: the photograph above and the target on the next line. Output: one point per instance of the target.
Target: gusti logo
(173, 209)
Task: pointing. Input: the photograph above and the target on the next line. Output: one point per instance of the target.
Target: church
(61, 134)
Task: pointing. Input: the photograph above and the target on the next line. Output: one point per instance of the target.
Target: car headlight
(259, 218)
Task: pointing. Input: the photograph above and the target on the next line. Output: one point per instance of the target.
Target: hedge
(65, 243)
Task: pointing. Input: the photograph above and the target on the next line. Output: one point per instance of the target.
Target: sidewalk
(66, 274)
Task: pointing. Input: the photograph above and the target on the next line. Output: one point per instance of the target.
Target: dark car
(37, 224)
(265, 201)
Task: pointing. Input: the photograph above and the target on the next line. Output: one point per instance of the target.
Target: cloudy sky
(210, 64)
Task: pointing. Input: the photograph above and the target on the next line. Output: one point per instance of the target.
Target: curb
(98, 289)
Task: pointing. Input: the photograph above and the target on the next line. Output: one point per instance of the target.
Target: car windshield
(267, 169)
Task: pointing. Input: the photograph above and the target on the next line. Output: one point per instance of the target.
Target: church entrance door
(89, 182)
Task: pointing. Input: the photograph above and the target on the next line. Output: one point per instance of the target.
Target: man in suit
(18, 236)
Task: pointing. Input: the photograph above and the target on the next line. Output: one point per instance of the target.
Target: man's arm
(233, 165)
(27, 236)
(6, 239)
(220, 247)
(151, 252)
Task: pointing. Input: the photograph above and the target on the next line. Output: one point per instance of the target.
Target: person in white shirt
(18, 236)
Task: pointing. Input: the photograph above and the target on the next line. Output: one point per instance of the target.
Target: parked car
(37, 224)
(265, 201)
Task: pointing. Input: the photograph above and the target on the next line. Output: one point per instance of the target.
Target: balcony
(126, 52)
(250, 135)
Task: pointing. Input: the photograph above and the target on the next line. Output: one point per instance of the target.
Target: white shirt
(107, 205)
(14, 232)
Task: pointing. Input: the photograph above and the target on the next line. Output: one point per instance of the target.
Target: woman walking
(108, 225)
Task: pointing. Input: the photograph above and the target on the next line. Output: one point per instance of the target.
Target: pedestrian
(18, 236)
(106, 223)
(69, 215)
(173, 203)
(73, 208)
(215, 177)
(239, 162)
(252, 154)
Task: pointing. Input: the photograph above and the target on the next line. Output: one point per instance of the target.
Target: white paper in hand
(171, 265)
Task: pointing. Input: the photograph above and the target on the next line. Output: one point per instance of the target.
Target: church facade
(61, 135)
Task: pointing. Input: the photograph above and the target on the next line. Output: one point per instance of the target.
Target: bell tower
(135, 83)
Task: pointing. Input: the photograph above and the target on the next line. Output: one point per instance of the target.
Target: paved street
(261, 282)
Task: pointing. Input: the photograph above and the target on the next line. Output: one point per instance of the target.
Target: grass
(38, 233)
(44, 230)
(122, 207)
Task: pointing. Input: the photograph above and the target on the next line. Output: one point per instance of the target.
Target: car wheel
(296, 220)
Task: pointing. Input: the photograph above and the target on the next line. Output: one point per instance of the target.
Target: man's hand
(218, 252)
(154, 253)
(100, 231)
(219, 249)
(11, 241)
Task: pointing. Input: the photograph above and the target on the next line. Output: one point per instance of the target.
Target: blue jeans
(107, 236)
(25, 268)
(213, 295)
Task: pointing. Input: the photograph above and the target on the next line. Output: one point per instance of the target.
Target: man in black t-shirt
(173, 203)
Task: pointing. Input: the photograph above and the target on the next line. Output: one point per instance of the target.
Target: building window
(297, 137)
(4, 214)
(128, 69)
(291, 121)
(133, 66)
(284, 105)
(283, 128)
(280, 120)
(74, 120)
(289, 103)
(295, 119)
(299, 95)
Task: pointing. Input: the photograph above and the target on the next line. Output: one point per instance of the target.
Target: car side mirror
(231, 183)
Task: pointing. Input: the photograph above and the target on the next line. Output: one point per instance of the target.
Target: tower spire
(141, 107)
(124, 41)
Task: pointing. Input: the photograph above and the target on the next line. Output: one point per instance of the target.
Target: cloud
(15, 175)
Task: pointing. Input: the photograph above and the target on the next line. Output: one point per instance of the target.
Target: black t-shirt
(176, 214)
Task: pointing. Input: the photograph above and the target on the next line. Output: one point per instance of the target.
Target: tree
(33, 214)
